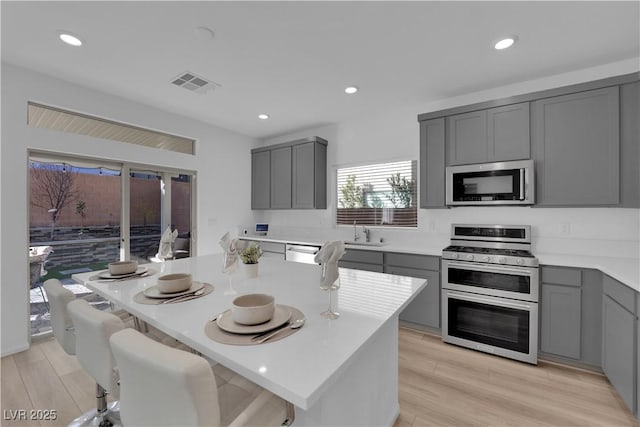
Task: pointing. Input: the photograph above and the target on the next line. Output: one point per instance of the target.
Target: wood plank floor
(440, 385)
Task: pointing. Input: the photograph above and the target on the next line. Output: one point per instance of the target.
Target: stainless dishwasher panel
(301, 253)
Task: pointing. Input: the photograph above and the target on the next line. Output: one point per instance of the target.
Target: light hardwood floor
(440, 384)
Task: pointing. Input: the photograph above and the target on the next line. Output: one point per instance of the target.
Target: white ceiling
(292, 60)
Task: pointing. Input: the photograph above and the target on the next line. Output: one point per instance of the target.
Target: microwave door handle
(522, 173)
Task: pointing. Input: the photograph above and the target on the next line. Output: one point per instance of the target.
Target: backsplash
(585, 231)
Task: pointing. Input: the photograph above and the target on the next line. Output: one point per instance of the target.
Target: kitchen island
(335, 372)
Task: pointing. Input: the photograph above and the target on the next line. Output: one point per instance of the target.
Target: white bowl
(252, 309)
(122, 267)
(176, 282)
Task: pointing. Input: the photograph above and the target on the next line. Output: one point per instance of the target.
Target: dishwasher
(301, 253)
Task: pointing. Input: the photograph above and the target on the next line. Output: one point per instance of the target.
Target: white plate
(153, 292)
(280, 317)
(106, 275)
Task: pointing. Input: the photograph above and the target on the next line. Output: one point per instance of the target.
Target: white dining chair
(164, 386)
(61, 324)
(93, 328)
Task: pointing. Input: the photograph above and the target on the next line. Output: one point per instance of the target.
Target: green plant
(402, 191)
(80, 207)
(352, 195)
(251, 253)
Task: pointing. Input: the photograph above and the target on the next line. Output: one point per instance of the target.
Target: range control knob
(502, 260)
(468, 257)
(519, 261)
(484, 258)
(454, 256)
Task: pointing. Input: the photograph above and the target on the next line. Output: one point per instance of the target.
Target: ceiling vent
(193, 82)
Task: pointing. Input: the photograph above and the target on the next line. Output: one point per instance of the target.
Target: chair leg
(44, 299)
(105, 415)
(291, 414)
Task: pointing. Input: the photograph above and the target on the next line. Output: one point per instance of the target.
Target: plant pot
(251, 270)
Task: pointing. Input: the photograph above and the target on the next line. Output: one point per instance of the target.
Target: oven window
(488, 185)
(502, 327)
(483, 279)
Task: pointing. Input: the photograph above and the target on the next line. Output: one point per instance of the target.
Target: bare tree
(52, 188)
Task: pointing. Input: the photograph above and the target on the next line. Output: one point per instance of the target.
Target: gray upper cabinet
(508, 133)
(467, 138)
(281, 178)
(290, 175)
(576, 148)
(432, 164)
(492, 135)
(630, 145)
(309, 176)
(261, 180)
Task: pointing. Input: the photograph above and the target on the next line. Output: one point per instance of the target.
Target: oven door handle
(489, 300)
(524, 271)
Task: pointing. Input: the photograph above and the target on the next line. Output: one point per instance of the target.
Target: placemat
(141, 298)
(149, 272)
(214, 332)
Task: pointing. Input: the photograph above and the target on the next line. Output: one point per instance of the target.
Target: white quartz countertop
(298, 368)
(625, 270)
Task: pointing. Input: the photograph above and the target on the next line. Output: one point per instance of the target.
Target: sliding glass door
(86, 213)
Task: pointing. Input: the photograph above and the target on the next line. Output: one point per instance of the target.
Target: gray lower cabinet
(432, 164)
(576, 148)
(424, 310)
(261, 180)
(618, 349)
(560, 320)
(362, 260)
(570, 314)
(491, 135)
(281, 178)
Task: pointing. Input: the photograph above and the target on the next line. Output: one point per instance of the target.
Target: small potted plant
(250, 256)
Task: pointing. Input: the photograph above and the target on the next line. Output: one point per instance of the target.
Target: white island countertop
(625, 270)
(299, 368)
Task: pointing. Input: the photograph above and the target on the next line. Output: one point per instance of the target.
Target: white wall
(222, 164)
(394, 135)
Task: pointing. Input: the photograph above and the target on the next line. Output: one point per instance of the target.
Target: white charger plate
(154, 292)
(106, 275)
(226, 323)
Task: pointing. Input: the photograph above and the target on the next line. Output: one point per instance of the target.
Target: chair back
(93, 329)
(61, 324)
(163, 386)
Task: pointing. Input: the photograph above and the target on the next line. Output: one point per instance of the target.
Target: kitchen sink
(359, 243)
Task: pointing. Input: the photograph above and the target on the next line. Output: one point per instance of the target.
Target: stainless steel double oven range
(490, 290)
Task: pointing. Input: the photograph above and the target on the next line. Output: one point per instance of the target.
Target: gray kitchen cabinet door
(618, 349)
(432, 164)
(576, 147)
(560, 320)
(281, 178)
(309, 170)
(630, 145)
(425, 308)
(467, 138)
(303, 172)
(261, 180)
(508, 133)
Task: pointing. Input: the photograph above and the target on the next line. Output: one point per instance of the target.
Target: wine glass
(229, 267)
(330, 313)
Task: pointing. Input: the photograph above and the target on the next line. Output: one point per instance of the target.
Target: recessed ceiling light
(505, 43)
(263, 116)
(351, 90)
(69, 38)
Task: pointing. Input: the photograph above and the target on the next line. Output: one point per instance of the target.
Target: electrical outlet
(565, 228)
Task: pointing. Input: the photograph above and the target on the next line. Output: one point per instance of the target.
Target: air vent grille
(193, 82)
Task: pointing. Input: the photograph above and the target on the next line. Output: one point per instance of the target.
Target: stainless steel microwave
(501, 183)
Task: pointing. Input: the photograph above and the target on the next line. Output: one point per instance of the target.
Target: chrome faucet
(356, 237)
(367, 234)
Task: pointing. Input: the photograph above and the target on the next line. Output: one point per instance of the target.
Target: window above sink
(382, 194)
